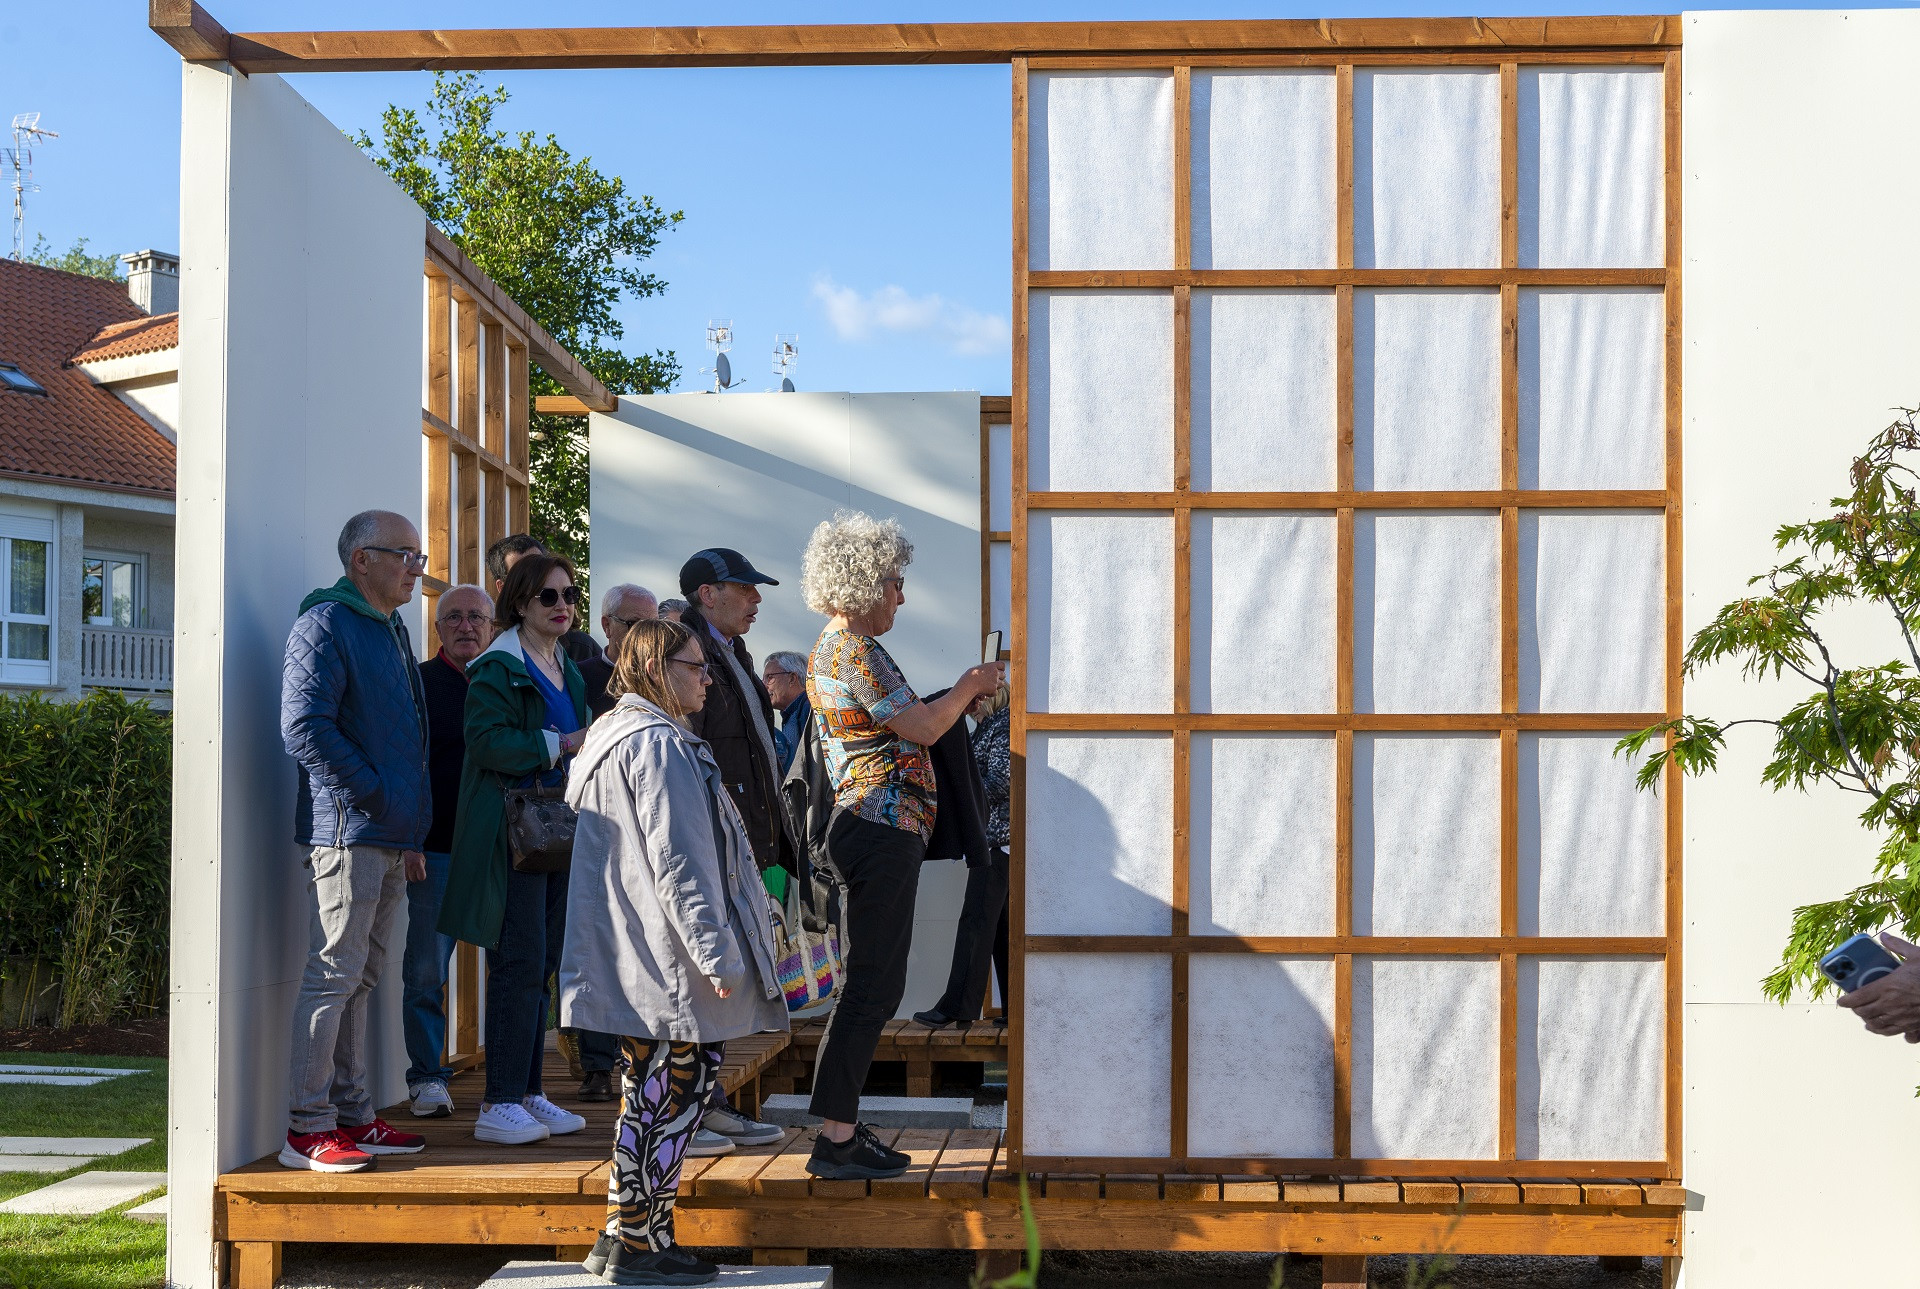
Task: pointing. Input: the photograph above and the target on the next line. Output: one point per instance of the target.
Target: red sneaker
(380, 1138)
(323, 1152)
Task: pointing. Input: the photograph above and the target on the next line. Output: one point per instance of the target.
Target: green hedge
(86, 793)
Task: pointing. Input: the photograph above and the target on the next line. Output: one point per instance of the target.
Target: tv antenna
(19, 159)
(720, 340)
(786, 357)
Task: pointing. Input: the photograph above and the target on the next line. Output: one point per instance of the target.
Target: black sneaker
(667, 1267)
(595, 1262)
(859, 1156)
(597, 1086)
(933, 1018)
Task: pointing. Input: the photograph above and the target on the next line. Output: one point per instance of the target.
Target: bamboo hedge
(86, 793)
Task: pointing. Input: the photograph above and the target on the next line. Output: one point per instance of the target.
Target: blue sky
(866, 209)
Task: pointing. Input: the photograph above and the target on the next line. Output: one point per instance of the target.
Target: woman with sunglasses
(526, 715)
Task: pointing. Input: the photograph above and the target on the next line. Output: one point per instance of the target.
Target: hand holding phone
(991, 653)
(1860, 961)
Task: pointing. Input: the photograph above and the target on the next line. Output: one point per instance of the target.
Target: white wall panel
(1426, 390)
(1100, 170)
(1096, 1074)
(1100, 612)
(1099, 840)
(1592, 181)
(1591, 1068)
(1264, 169)
(1426, 608)
(1000, 477)
(1000, 591)
(1426, 1058)
(1426, 834)
(1262, 856)
(1263, 609)
(1265, 410)
(1426, 168)
(1593, 388)
(1592, 611)
(1260, 1056)
(1592, 849)
(1100, 393)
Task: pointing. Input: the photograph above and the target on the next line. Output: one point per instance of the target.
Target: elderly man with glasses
(620, 608)
(353, 716)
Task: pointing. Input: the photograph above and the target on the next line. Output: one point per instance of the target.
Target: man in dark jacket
(353, 716)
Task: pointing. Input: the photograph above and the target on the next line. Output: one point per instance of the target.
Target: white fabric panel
(1100, 170)
(1592, 191)
(1426, 610)
(1592, 1058)
(1592, 611)
(1265, 409)
(1000, 591)
(1426, 834)
(1100, 612)
(1000, 477)
(1098, 1061)
(1262, 855)
(1426, 168)
(1593, 388)
(1099, 834)
(1263, 601)
(1592, 849)
(1260, 1056)
(1264, 169)
(1426, 390)
(1426, 1058)
(1100, 392)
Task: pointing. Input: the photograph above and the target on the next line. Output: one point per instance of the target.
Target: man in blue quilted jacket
(354, 717)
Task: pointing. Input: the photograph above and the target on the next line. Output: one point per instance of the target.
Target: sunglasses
(549, 597)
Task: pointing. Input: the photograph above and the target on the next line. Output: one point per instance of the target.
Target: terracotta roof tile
(78, 431)
(125, 339)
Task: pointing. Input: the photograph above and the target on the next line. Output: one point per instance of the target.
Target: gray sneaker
(739, 1129)
(430, 1100)
(706, 1144)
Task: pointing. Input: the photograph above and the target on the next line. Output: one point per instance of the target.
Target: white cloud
(893, 309)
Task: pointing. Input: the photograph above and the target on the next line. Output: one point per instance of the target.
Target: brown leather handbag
(540, 827)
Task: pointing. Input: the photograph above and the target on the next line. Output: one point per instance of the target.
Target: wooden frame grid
(1509, 947)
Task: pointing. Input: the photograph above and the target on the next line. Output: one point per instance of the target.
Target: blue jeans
(423, 976)
(532, 931)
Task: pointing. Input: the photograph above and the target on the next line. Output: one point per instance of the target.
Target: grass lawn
(108, 1251)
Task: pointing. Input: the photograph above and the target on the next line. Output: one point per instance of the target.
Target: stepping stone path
(64, 1154)
(571, 1275)
(87, 1194)
(154, 1210)
(63, 1076)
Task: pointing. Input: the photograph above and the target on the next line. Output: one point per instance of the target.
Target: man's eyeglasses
(701, 667)
(415, 561)
(473, 618)
(549, 597)
(626, 622)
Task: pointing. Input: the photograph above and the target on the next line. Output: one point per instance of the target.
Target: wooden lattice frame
(1509, 722)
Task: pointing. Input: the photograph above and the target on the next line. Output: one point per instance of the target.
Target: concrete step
(87, 1194)
(789, 1109)
(571, 1275)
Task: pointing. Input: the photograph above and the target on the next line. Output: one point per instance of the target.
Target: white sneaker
(430, 1100)
(556, 1121)
(739, 1129)
(706, 1144)
(509, 1125)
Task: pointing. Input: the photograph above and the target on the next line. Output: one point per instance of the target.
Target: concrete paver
(95, 1146)
(42, 1163)
(85, 1195)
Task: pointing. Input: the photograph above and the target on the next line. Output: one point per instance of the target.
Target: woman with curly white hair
(874, 732)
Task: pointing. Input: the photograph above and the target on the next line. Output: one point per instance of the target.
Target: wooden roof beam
(892, 43)
(191, 30)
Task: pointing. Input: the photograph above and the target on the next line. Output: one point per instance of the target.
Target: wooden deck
(955, 1196)
(922, 1050)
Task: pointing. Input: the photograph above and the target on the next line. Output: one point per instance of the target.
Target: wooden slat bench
(921, 1049)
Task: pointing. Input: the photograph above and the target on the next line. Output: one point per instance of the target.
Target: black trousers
(980, 939)
(879, 872)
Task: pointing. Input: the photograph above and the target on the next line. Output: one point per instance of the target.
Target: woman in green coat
(526, 716)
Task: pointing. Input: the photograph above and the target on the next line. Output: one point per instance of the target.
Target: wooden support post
(779, 1257)
(919, 1074)
(1669, 1273)
(1343, 1272)
(990, 1265)
(255, 1264)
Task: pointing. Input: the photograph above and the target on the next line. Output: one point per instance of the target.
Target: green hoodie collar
(345, 592)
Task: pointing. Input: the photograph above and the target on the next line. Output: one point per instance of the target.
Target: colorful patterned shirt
(879, 776)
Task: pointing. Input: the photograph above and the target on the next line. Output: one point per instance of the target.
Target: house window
(27, 579)
(111, 590)
(12, 378)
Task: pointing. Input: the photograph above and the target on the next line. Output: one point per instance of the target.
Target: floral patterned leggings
(663, 1098)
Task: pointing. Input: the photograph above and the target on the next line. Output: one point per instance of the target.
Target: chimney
(153, 280)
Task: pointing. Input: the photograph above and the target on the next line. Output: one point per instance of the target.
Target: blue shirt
(559, 706)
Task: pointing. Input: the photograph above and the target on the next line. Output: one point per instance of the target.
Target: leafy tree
(75, 259)
(560, 237)
(1858, 728)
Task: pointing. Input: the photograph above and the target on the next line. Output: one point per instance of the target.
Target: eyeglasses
(474, 618)
(701, 667)
(899, 582)
(415, 561)
(626, 622)
(549, 597)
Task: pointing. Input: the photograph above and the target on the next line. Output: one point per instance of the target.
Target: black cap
(718, 564)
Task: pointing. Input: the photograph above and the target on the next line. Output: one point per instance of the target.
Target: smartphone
(992, 652)
(1860, 961)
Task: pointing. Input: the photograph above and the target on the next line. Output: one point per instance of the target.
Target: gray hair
(674, 606)
(794, 664)
(452, 591)
(362, 531)
(845, 559)
(615, 594)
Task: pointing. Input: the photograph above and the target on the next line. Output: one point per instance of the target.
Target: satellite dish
(786, 384)
(722, 370)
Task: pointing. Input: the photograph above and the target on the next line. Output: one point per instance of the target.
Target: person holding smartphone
(1891, 1004)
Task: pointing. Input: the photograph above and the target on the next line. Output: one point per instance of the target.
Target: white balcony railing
(123, 658)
